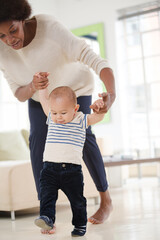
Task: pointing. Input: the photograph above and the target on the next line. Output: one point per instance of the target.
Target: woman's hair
(14, 10)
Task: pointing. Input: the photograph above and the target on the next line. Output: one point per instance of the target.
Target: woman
(42, 44)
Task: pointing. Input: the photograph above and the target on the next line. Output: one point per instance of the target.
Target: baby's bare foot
(52, 231)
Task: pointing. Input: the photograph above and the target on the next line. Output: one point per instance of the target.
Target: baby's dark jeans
(69, 178)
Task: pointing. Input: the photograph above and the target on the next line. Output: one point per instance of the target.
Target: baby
(62, 157)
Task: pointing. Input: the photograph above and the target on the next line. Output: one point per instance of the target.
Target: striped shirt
(64, 142)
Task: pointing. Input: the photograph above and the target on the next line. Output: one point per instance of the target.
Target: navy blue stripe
(65, 143)
(61, 131)
(73, 138)
(63, 139)
(66, 126)
(62, 136)
(66, 130)
(85, 119)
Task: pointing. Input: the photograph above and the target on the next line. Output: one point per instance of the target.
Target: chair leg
(13, 215)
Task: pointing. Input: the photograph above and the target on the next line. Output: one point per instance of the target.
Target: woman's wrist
(32, 88)
(112, 95)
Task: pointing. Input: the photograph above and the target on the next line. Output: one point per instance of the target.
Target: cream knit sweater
(56, 50)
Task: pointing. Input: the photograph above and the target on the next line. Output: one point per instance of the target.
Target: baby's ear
(77, 107)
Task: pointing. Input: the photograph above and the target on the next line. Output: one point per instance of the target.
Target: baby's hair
(16, 10)
(64, 91)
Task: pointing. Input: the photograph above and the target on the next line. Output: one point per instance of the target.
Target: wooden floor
(136, 216)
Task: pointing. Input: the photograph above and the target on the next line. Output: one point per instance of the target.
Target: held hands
(97, 105)
(40, 81)
(102, 105)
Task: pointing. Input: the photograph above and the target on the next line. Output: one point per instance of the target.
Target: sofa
(17, 187)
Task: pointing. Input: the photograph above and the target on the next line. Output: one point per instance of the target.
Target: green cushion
(13, 146)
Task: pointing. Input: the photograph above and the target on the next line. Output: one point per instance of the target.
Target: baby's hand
(97, 105)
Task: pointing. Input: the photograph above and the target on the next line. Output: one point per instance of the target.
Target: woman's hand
(108, 99)
(97, 105)
(40, 81)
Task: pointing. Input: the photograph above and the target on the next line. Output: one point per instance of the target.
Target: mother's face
(12, 34)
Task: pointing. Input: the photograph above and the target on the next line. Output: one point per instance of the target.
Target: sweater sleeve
(76, 49)
(94, 61)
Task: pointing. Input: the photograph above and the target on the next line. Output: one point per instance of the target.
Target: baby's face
(62, 110)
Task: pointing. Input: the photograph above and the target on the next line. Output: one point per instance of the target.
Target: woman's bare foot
(52, 231)
(104, 210)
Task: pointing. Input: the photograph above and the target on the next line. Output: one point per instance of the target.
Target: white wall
(79, 13)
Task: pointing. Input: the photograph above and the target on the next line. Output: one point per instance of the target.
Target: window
(14, 114)
(139, 75)
(98, 87)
